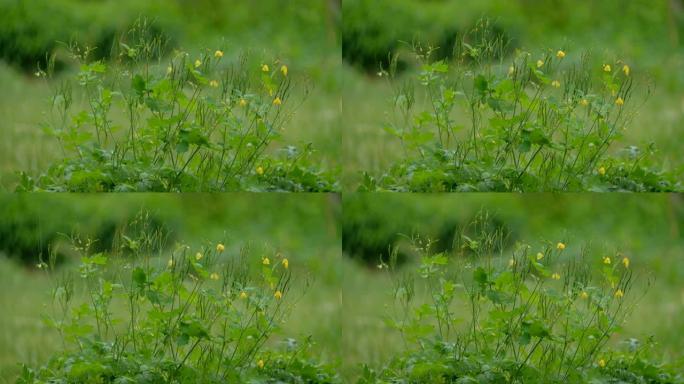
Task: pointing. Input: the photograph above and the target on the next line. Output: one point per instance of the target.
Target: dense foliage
(538, 316)
(542, 122)
(200, 316)
(192, 124)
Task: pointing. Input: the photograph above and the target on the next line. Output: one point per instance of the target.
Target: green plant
(202, 316)
(539, 123)
(538, 316)
(196, 124)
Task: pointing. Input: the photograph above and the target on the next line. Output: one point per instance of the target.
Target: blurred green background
(304, 34)
(303, 227)
(646, 227)
(647, 34)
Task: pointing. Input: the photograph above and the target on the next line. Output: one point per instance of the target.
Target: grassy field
(303, 227)
(338, 247)
(308, 42)
(348, 301)
(646, 228)
(654, 56)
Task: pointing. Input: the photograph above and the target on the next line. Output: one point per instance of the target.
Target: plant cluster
(200, 316)
(538, 316)
(539, 123)
(193, 124)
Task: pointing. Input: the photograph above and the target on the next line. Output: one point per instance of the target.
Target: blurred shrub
(646, 225)
(374, 31)
(372, 227)
(32, 226)
(305, 226)
(30, 30)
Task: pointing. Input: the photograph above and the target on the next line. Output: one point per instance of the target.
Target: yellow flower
(606, 260)
(214, 276)
(619, 293)
(607, 68)
(602, 171)
(584, 102)
(243, 295)
(260, 364)
(625, 69)
(286, 263)
(278, 295)
(198, 256)
(555, 83)
(197, 63)
(555, 276)
(584, 295)
(218, 54)
(277, 101)
(266, 261)
(511, 262)
(264, 68)
(540, 63)
(560, 54)
(540, 256)
(220, 247)
(619, 102)
(511, 70)
(260, 171)
(283, 69)
(625, 262)
(602, 363)
(560, 246)
(170, 263)
(213, 83)
(243, 102)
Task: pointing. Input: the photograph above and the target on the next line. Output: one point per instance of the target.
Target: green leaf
(138, 84)
(392, 130)
(182, 147)
(97, 259)
(524, 146)
(535, 329)
(480, 276)
(481, 84)
(139, 277)
(537, 137)
(193, 136)
(193, 329)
